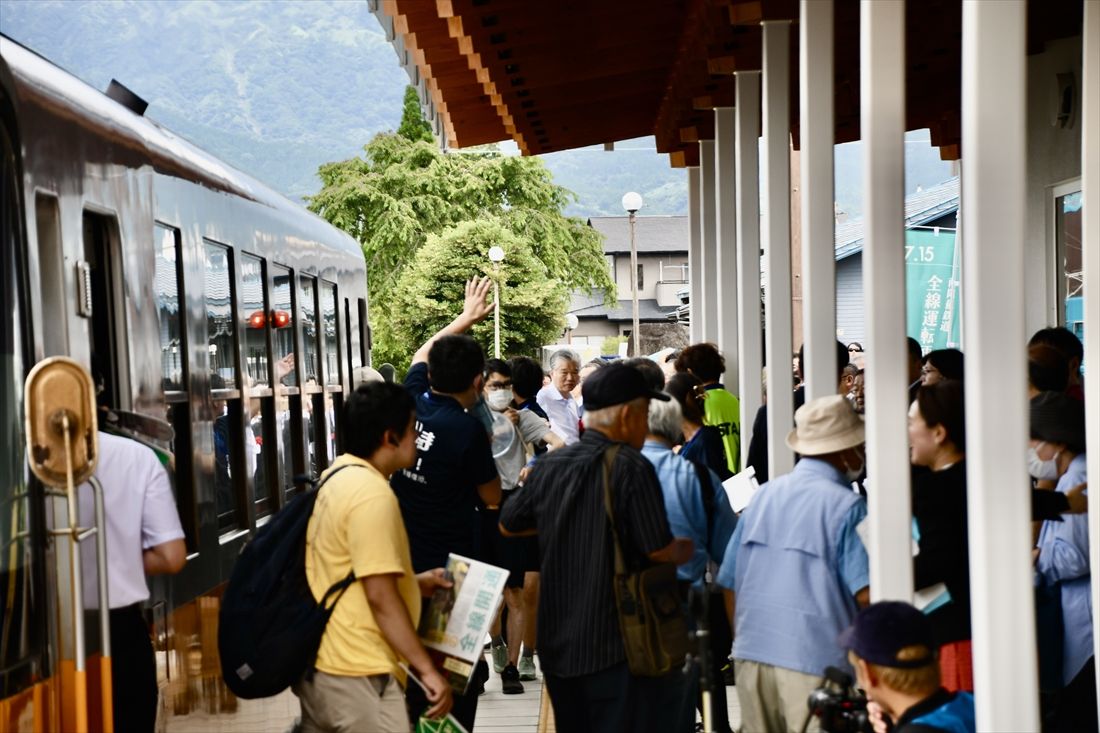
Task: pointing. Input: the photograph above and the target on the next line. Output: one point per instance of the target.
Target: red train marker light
(281, 319)
(257, 319)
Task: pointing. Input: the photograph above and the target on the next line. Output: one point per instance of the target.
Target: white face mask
(499, 399)
(853, 473)
(1040, 469)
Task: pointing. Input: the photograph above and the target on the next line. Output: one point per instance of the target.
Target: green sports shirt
(722, 409)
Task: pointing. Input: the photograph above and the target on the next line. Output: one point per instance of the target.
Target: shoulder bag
(651, 615)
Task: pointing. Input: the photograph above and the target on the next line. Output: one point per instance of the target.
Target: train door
(100, 285)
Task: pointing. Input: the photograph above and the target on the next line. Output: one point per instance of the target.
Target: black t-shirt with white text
(438, 495)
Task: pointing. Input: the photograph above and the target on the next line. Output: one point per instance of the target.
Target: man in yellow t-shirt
(356, 526)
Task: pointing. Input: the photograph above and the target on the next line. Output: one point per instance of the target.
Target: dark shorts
(517, 555)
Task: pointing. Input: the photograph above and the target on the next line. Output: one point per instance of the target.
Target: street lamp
(496, 256)
(571, 322)
(632, 202)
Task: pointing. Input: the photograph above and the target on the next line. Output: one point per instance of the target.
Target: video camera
(840, 707)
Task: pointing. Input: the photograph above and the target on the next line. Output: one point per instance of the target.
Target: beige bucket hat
(825, 425)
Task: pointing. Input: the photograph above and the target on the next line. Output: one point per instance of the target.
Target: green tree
(532, 304)
(413, 125)
(403, 191)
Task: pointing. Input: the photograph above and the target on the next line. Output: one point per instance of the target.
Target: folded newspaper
(458, 618)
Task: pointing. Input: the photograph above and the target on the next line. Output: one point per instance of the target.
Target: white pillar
(725, 198)
(749, 347)
(710, 242)
(777, 242)
(816, 132)
(994, 141)
(882, 120)
(1090, 230)
(695, 254)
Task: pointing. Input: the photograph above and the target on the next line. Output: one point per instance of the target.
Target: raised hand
(476, 306)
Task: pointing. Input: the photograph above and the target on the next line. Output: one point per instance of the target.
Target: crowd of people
(567, 478)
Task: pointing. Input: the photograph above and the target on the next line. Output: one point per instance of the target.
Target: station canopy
(569, 73)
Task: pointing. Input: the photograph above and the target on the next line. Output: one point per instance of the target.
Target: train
(223, 324)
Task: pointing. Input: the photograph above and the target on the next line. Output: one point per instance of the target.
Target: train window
(228, 439)
(364, 333)
(329, 340)
(220, 328)
(288, 401)
(20, 564)
(254, 311)
(166, 252)
(282, 326)
(317, 412)
(260, 433)
(51, 274)
(307, 310)
(347, 339)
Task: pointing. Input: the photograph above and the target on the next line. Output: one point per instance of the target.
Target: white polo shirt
(140, 513)
(562, 411)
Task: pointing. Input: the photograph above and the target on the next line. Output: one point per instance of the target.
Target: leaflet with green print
(458, 618)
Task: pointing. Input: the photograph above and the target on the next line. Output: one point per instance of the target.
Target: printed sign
(932, 271)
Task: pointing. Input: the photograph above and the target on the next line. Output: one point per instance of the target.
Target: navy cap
(883, 629)
(616, 384)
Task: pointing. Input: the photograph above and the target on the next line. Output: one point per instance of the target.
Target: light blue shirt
(1064, 559)
(686, 515)
(562, 411)
(795, 564)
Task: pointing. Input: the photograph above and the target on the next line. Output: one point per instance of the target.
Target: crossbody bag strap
(608, 462)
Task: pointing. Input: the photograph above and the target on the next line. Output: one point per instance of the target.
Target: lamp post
(571, 322)
(496, 256)
(632, 202)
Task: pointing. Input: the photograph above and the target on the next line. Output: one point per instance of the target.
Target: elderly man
(556, 398)
(697, 508)
(797, 568)
(579, 639)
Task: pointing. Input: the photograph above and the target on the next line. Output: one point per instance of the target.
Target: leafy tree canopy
(430, 291)
(404, 190)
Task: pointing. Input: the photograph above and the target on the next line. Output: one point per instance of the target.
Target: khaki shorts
(335, 704)
(774, 699)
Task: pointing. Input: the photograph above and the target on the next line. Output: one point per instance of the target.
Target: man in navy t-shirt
(454, 469)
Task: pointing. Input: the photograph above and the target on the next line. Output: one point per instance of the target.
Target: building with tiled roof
(662, 244)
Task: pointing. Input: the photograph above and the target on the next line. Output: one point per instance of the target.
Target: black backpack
(270, 625)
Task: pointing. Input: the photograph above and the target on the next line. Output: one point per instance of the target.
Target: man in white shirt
(556, 398)
(144, 537)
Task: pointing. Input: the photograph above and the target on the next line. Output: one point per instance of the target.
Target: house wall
(1053, 157)
(849, 300)
(652, 274)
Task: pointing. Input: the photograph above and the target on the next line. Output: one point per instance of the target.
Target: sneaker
(500, 657)
(509, 681)
(527, 667)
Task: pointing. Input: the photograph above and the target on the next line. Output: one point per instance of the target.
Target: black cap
(1057, 418)
(615, 384)
(883, 629)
